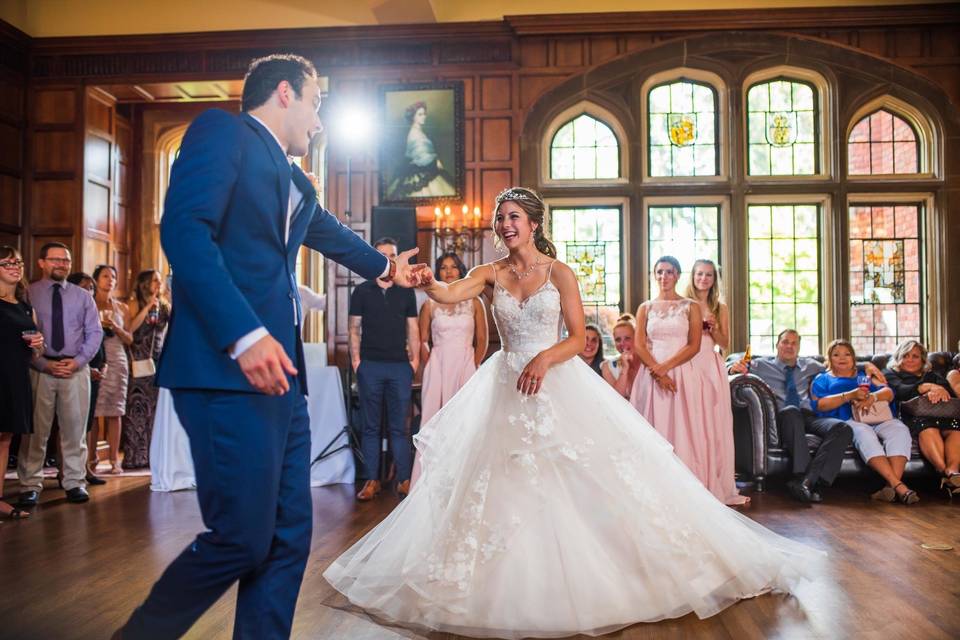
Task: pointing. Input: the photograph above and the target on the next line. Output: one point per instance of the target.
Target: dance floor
(76, 571)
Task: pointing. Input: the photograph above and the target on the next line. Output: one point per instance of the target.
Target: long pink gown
(718, 427)
(451, 360)
(689, 419)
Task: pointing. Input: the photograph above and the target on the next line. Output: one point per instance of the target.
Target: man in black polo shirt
(384, 353)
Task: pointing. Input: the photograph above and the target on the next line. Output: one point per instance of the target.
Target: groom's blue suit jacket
(223, 233)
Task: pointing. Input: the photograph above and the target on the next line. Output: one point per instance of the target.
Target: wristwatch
(393, 271)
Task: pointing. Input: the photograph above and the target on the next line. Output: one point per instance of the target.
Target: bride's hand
(531, 378)
(426, 277)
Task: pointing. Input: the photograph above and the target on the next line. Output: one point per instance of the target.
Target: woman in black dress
(910, 376)
(20, 342)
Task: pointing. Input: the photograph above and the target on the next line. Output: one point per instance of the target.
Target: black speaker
(399, 223)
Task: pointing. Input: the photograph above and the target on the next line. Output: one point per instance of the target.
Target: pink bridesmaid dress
(451, 360)
(688, 418)
(718, 424)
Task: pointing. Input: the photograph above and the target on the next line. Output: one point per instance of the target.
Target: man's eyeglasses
(11, 264)
(59, 260)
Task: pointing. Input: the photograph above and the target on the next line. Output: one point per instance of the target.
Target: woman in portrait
(420, 173)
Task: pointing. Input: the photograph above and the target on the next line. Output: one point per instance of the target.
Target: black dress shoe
(95, 480)
(28, 499)
(77, 494)
(800, 489)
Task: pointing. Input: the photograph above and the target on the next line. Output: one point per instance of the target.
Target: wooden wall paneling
(100, 181)
(497, 139)
(603, 48)
(11, 147)
(12, 140)
(534, 85)
(496, 93)
(534, 52)
(569, 52)
(53, 188)
(10, 204)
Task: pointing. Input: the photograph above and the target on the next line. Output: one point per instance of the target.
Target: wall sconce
(458, 233)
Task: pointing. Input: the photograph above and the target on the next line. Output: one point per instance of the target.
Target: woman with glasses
(20, 342)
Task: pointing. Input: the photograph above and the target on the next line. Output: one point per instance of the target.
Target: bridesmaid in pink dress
(670, 390)
(704, 289)
(455, 343)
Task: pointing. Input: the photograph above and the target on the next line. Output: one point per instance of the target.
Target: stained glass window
(784, 266)
(682, 130)
(782, 124)
(686, 232)
(584, 149)
(883, 143)
(588, 239)
(885, 283)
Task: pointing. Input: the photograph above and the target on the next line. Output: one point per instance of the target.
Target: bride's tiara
(512, 194)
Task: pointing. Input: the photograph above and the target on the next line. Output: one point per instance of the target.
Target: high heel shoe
(907, 497)
(950, 482)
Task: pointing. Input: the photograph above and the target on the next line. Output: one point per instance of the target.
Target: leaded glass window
(584, 149)
(682, 130)
(885, 283)
(882, 143)
(782, 124)
(784, 266)
(686, 232)
(588, 240)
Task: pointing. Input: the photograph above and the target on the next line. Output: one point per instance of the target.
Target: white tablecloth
(171, 466)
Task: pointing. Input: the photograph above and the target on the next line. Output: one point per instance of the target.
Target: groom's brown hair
(264, 74)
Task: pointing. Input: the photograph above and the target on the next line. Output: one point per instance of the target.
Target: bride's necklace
(521, 275)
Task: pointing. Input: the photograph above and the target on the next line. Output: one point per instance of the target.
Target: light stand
(352, 441)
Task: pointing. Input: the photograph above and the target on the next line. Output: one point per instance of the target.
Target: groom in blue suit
(236, 213)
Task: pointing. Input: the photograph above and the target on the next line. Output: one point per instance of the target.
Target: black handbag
(920, 407)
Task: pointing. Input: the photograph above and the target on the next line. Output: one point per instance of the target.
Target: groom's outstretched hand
(408, 275)
(266, 366)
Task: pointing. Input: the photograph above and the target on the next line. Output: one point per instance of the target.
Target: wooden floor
(76, 571)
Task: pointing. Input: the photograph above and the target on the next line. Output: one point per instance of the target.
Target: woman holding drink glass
(20, 342)
(112, 399)
(881, 440)
(669, 390)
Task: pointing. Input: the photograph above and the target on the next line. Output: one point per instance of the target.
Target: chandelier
(458, 234)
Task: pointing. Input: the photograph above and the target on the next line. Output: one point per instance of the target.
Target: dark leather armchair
(759, 453)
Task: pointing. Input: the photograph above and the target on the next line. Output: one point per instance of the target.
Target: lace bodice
(668, 323)
(531, 325)
(452, 324)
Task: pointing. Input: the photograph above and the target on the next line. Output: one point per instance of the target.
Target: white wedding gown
(556, 514)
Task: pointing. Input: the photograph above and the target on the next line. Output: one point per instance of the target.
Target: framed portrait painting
(421, 144)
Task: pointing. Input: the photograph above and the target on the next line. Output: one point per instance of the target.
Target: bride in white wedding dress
(547, 506)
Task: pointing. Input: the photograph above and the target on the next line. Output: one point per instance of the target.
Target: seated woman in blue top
(884, 446)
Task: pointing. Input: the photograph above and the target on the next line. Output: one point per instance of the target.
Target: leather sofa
(759, 454)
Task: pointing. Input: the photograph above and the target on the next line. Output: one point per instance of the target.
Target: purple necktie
(56, 331)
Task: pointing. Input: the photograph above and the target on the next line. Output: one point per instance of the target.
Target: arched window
(783, 134)
(883, 143)
(682, 125)
(584, 148)
(886, 287)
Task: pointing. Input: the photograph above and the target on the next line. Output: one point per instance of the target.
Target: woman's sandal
(887, 494)
(16, 513)
(950, 482)
(907, 497)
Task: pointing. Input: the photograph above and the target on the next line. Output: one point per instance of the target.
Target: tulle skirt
(556, 514)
